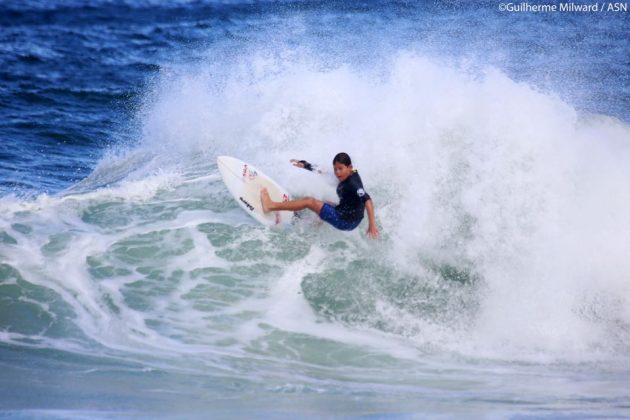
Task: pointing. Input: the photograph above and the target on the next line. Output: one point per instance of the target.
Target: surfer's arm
(307, 165)
(372, 229)
(328, 176)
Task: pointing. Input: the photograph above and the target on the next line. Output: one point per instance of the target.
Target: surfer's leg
(293, 205)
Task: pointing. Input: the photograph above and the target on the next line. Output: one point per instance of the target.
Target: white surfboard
(244, 182)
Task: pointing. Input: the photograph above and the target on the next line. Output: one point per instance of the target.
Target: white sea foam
(471, 171)
(476, 171)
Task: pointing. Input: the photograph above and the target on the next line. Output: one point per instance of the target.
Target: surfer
(353, 199)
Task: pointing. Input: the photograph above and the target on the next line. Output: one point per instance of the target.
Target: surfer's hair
(342, 158)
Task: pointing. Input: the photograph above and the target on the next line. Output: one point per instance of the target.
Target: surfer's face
(342, 172)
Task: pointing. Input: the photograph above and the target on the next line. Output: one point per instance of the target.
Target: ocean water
(495, 145)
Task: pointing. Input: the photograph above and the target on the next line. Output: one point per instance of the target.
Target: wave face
(499, 285)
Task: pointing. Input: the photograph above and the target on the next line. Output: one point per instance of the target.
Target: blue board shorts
(329, 214)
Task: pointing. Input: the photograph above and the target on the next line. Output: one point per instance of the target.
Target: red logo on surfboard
(248, 172)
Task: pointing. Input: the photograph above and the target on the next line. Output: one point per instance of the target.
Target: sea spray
(489, 194)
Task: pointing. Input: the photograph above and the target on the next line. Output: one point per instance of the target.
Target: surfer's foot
(265, 200)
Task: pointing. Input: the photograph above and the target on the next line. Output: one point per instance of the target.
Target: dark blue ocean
(493, 138)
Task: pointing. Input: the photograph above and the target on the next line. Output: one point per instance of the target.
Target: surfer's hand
(372, 231)
(297, 163)
(303, 164)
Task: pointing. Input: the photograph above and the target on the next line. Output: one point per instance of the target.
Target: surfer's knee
(314, 204)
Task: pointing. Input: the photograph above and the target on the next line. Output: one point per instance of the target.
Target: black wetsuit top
(352, 198)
